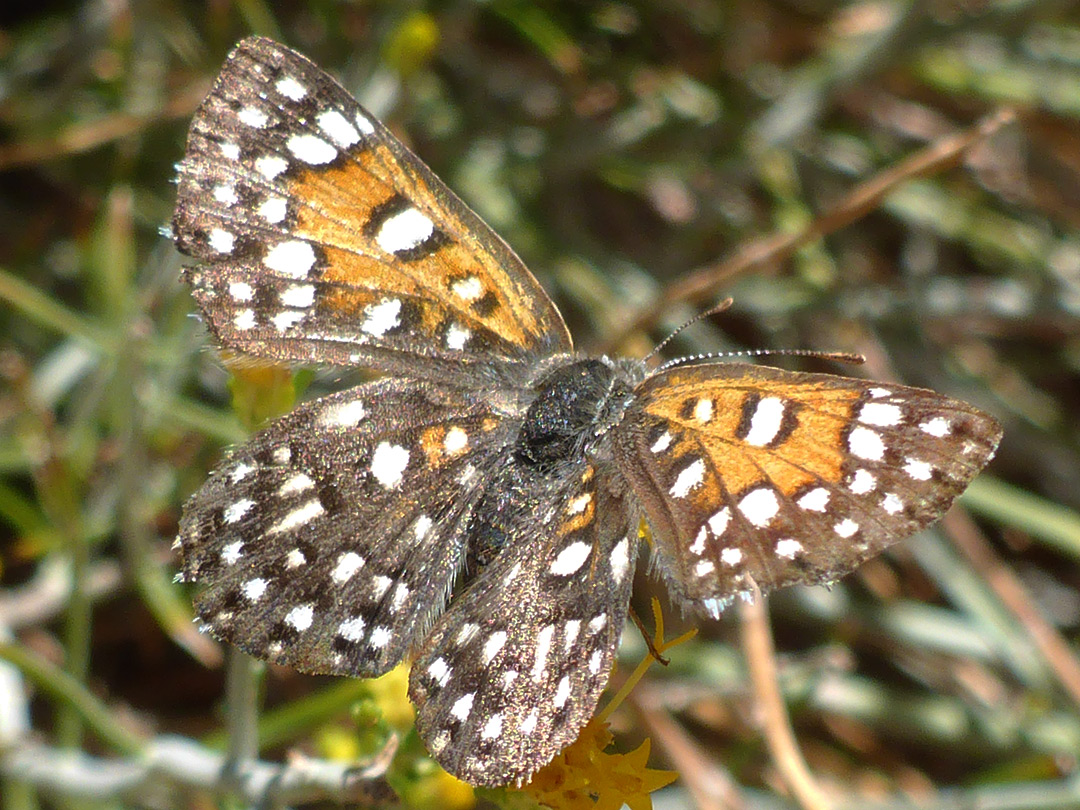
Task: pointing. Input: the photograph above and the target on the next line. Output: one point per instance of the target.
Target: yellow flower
(585, 777)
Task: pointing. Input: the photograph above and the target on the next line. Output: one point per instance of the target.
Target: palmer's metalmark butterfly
(478, 506)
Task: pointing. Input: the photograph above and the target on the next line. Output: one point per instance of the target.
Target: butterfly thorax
(564, 427)
(575, 404)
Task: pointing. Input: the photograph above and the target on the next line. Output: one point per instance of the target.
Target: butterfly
(477, 507)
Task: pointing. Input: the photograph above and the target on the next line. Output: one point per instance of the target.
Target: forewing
(753, 473)
(515, 667)
(322, 238)
(331, 539)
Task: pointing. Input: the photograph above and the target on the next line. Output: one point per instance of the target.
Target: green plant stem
(71, 694)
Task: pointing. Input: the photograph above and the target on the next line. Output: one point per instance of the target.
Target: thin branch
(84, 137)
(167, 763)
(761, 660)
(1055, 651)
(864, 198)
(709, 784)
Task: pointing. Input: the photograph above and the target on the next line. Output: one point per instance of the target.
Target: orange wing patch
(793, 436)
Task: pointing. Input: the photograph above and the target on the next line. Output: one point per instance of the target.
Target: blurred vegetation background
(618, 147)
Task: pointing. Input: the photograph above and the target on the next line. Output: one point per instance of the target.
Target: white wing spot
(919, 470)
(509, 676)
(254, 589)
(759, 506)
(363, 123)
(300, 296)
(352, 629)
(571, 558)
(380, 585)
(439, 742)
(286, 319)
(597, 623)
(468, 289)
(240, 472)
(382, 317)
(880, 414)
(225, 194)
(579, 504)
(253, 117)
(562, 692)
(463, 706)
(241, 291)
(401, 593)
(492, 728)
(231, 553)
(704, 567)
(295, 558)
(815, 500)
(620, 559)
(766, 421)
(543, 647)
(528, 725)
(731, 556)
(233, 513)
(297, 517)
(347, 565)
(938, 426)
(388, 464)
(244, 320)
(698, 546)
(594, 662)
(862, 482)
(457, 337)
(788, 548)
(878, 393)
(270, 166)
(892, 504)
(570, 633)
(422, 527)
(293, 258)
(230, 150)
(439, 671)
(663, 443)
(221, 240)
(846, 527)
(312, 149)
(703, 411)
(719, 522)
(688, 479)
(380, 637)
(282, 455)
(291, 88)
(301, 617)
(455, 441)
(865, 443)
(273, 209)
(337, 126)
(492, 646)
(404, 231)
(343, 414)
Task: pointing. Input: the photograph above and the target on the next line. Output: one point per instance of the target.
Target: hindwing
(515, 667)
(331, 540)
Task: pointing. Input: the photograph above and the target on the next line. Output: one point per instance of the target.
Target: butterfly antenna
(836, 357)
(723, 305)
